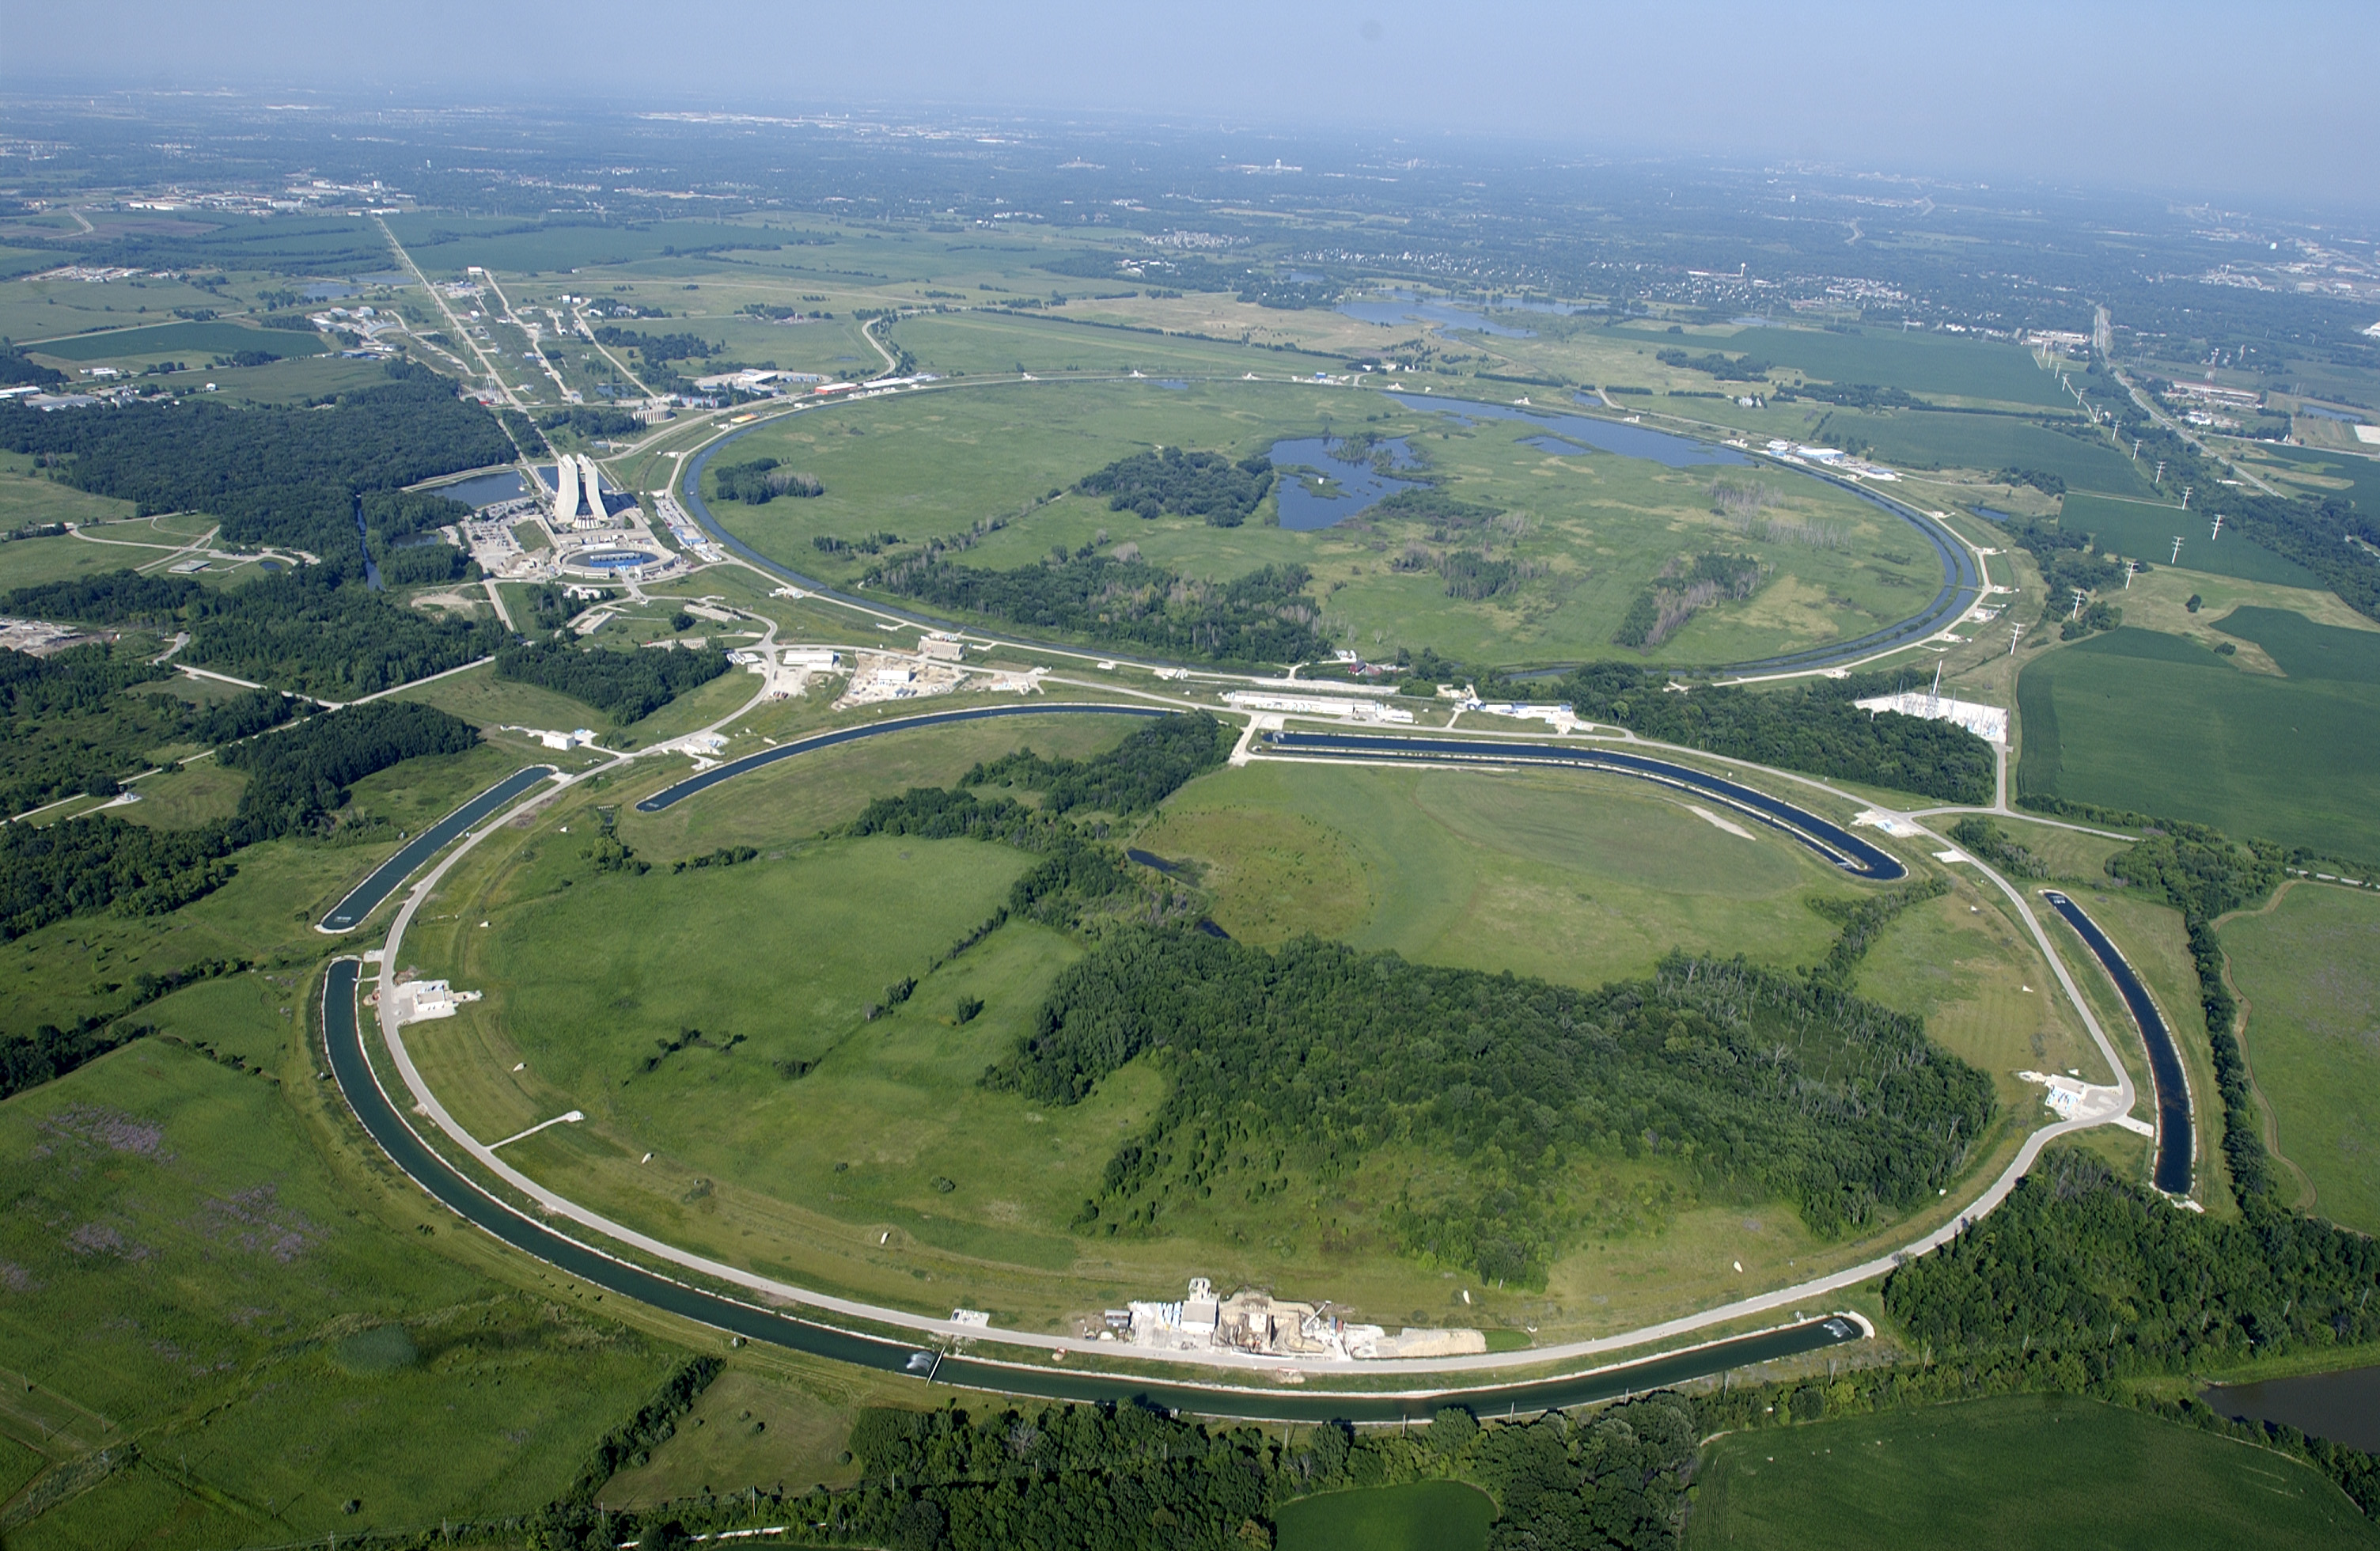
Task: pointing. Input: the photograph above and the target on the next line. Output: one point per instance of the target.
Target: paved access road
(1829, 839)
(365, 897)
(343, 1040)
(2177, 1141)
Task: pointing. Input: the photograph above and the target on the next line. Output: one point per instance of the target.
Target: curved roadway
(1963, 579)
(361, 1085)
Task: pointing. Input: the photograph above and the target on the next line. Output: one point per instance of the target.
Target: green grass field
(2146, 529)
(1928, 440)
(1594, 528)
(2309, 970)
(1422, 1516)
(2160, 724)
(2356, 477)
(177, 341)
(181, 1265)
(2014, 1474)
(1932, 365)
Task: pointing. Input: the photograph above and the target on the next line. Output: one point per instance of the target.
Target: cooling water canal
(2343, 1407)
(364, 897)
(343, 1040)
(2175, 1143)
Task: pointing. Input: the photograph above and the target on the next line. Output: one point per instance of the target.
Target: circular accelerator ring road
(1962, 580)
(448, 1185)
(343, 1040)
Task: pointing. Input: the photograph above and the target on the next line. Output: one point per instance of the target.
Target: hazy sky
(2250, 97)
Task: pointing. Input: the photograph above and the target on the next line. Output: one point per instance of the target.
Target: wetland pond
(2343, 1407)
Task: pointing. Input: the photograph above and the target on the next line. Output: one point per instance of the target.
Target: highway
(2177, 1139)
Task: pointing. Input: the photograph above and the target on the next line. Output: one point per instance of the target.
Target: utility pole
(2177, 551)
(2131, 569)
(2136, 448)
(2014, 631)
(2160, 473)
(2079, 596)
(2219, 526)
(2185, 497)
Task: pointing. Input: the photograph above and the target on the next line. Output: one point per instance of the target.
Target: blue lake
(2321, 414)
(1568, 435)
(1405, 307)
(1355, 485)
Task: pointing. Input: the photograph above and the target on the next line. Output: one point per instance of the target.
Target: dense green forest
(297, 777)
(1132, 1478)
(16, 369)
(1263, 616)
(274, 475)
(1318, 1056)
(1815, 728)
(317, 629)
(625, 685)
(1203, 485)
(1149, 766)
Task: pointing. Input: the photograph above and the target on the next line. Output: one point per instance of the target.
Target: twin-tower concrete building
(576, 482)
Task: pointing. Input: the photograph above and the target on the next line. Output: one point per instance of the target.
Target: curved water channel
(388, 1126)
(1963, 581)
(365, 897)
(2177, 1141)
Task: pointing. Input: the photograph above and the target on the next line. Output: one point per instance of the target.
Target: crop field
(1594, 528)
(2146, 529)
(996, 343)
(2020, 1474)
(164, 341)
(2308, 971)
(802, 1135)
(1929, 365)
(1921, 439)
(182, 1267)
(2138, 720)
(2354, 476)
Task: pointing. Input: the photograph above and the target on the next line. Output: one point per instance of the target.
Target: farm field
(175, 342)
(2022, 1472)
(1590, 529)
(2308, 969)
(1921, 439)
(2146, 531)
(277, 1356)
(2355, 475)
(2158, 724)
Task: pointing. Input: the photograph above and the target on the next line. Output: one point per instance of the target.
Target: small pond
(1576, 434)
(1356, 481)
(2343, 1407)
(1396, 307)
(1420, 1516)
(612, 560)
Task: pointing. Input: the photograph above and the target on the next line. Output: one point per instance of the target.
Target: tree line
(1813, 727)
(625, 685)
(1134, 1478)
(1324, 1054)
(1150, 765)
(762, 480)
(69, 721)
(1263, 616)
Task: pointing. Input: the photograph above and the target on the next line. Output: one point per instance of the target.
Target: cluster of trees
(1682, 590)
(1738, 369)
(287, 475)
(425, 564)
(762, 480)
(1149, 766)
(1815, 728)
(1744, 1074)
(19, 370)
(1263, 616)
(297, 777)
(1134, 1478)
(1854, 395)
(625, 685)
(657, 346)
(591, 421)
(1428, 503)
(2068, 564)
(82, 867)
(1203, 485)
(2046, 483)
(327, 634)
(1987, 839)
(67, 723)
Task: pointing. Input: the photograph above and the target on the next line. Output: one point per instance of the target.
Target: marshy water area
(2343, 1407)
(1356, 476)
(488, 490)
(1393, 307)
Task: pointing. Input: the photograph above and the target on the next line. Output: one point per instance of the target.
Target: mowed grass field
(1594, 528)
(809, 1140)
(2023, 1473)
(183, 1272)
(2158, 724)
(1419, 1516)
(2308, 969)
(1924, 438)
